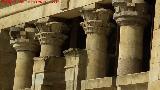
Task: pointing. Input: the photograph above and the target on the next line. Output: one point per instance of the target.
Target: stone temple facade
(80, 45)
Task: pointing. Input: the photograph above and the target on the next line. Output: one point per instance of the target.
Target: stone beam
(34, 12)
(15, 8)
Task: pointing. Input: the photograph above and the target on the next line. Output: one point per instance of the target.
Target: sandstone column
(25, 45)
(132, 17)
(96, 25)
(50, 64)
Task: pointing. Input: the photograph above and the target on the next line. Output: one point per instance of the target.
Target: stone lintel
(130, 12)
(131, 79)
(96, 20)
(35, 11)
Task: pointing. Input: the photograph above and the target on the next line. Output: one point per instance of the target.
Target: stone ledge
(136, 78)
(97, 83)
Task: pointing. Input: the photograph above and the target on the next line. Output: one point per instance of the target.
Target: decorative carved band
(51, 38)
(23, 40)
(96, 21)
(51, 32)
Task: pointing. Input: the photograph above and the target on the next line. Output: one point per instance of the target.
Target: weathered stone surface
(26, 47)
(75, 68)
(97, 26)
(132, 16)
(135, 87)
(154, 74)
(130, 50)
(74, 72)
(98, 84)
(136, 78)
(50, 63)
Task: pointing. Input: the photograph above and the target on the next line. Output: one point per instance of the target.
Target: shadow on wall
(7, 62)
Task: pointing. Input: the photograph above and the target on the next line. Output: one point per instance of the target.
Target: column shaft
(24, 70)
(132, 16)
(130, 49)
(50, 50)
(96, 45)
(26, 47)
(96, 25)
(52, 64)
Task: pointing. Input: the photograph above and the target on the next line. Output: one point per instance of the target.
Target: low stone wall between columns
(107, 83)
(137, 81)
(124, 82)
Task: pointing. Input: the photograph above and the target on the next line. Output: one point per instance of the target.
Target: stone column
(50, 64)
(96, 25)
(132, 17)
(25, 45)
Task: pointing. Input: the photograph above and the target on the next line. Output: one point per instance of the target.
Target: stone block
(91, 84)
(132, 79)
(55, 64)
(140, 78)
(154, 85)
(105, 82)
(98, 83)
(143, 86)
(69, 85)
(39, 65)
(64, 4)
(69, 74)
(123, 80)
(154, 71)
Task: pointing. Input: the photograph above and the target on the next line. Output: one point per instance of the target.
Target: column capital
(22, 39)
(96, 20)
(45, 25)
(130, 12)
(51, 32)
